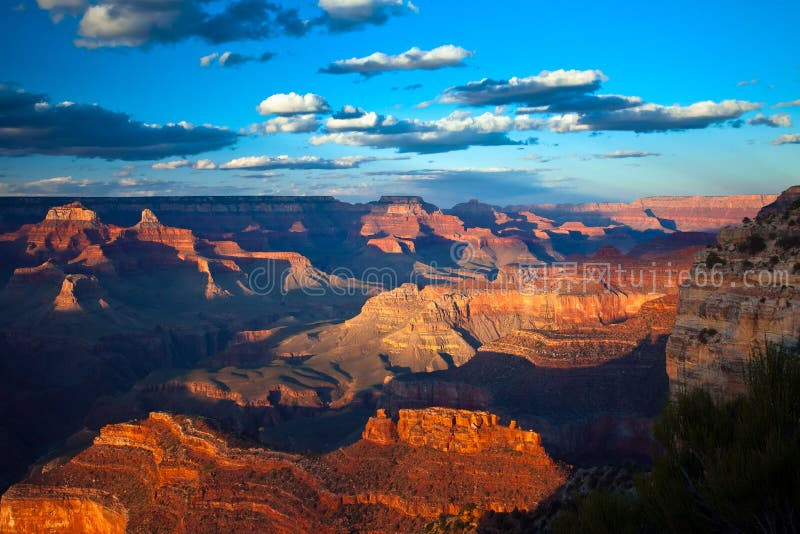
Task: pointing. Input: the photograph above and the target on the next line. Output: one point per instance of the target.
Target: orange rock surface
(176, 474)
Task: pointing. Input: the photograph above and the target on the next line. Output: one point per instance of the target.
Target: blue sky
(694, 113)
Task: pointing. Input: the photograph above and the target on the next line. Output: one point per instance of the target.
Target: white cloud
(617, 154)
(292, 104)
(59, 8)
(412, 59)
(287, 124)
(792, 104)
(457, 131)
(363, 121)
(171, 165)
(356, 9)
(653, 117)
(542, 88)
(287, 162)
(204, 165)
(788, 139)
(747, 82)
(206, 61)
(773, 121)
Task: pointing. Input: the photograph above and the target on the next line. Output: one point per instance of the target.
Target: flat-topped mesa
(74, 212)
(453, 430)
(65, 229)
(408, 217)
(401, 199)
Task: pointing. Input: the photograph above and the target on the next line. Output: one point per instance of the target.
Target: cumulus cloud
(171, 165)
(135, 23)
(286, 124)
(287, 162)
(204, 165)
(233, 59)
(457, 131)
(351, 118)
(412, 59)
(110, 23)
(777, 120)
(654, 117)
(618, 154)
(30, 124)
(788, 139)
(293, 104)
(201, 164)
(583, 103)
(346, 15)
(207, 61)
(793, 103)
(545, 88)
(59, 8)
(572, 94)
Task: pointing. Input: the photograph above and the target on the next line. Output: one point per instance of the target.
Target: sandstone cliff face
(438, 326)
(176, 474)
(453, 430)
(719, 325)
(589, 390)
(43, 510)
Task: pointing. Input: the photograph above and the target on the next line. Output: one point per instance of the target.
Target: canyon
(284, 359)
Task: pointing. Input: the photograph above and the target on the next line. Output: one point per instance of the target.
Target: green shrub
(722, 466)
(735, 465)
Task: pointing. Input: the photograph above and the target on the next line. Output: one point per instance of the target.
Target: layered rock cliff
(438, 326)
(743, 294)
(177, 474)
(448, 429)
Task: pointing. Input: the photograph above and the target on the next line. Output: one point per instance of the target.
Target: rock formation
(687, 214)
(743, 294)
(439, 326)
(448, 429)
(169, 473)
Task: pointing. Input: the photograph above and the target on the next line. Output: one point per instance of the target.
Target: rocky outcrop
(78, 292)
(65, 230)
(448, 429)
(380, 429)
(168, 473)
(149, 229)
(743, 294)
(34, 509)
